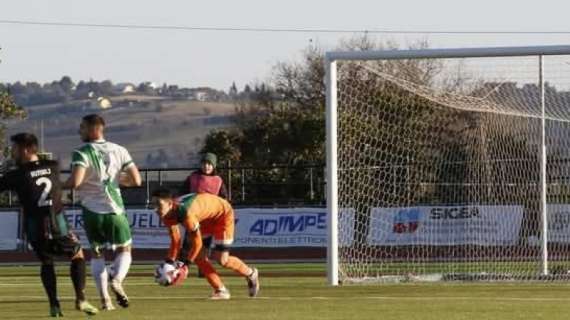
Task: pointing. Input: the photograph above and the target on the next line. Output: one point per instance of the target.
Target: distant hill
(158, 131)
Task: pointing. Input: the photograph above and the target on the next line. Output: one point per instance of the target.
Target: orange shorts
(221, 229)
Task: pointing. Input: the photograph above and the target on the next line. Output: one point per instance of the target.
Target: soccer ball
(165, 273)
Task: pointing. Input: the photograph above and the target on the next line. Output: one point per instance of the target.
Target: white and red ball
(165, 273)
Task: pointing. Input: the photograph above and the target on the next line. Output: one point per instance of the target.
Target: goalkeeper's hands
(182, 274)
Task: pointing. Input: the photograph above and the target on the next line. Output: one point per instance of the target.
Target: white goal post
(395, 122)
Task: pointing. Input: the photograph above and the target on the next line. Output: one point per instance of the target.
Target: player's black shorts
(50, 236)
(66, 246)
(206, 243)
(221, 247)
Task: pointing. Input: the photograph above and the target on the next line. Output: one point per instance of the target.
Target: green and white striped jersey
(104, 161)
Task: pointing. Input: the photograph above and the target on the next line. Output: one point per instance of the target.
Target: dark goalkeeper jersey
(39, 192)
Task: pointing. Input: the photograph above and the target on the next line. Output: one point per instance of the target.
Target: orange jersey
(211, 214)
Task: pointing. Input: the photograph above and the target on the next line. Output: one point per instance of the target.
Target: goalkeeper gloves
(181, 275)
(182, 271)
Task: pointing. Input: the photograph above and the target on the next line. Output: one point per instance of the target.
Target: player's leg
(49, 279)
(65, 243)
(34, 231)
(121, 239)
(207, 244)
(223, 238)
(223, 257)
(93, 223)
(77, 274)
(47, 275)
(69, 246)
(209, 272)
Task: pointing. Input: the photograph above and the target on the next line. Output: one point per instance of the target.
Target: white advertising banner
(147, 230)
(9, 230)
(297, 227)
(445, 225)
(559, 223)
(293, 227)
(255, 227)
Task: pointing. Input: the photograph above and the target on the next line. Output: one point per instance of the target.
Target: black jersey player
(37, 184)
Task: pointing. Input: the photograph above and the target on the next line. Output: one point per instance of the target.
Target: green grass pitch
(293, 291)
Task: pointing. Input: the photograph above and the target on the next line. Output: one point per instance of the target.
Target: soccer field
(293, 291)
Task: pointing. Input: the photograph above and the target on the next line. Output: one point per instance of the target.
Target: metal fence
(259, 186)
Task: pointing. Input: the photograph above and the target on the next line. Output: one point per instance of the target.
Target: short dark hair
(94, 120)
(25, 140)
(163, 193)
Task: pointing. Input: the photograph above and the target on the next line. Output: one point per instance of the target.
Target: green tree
(282, 122)
(8, 110)
(67, 85)
(233, 92)
(224, 143)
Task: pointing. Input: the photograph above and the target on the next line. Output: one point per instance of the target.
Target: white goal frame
(331, 59)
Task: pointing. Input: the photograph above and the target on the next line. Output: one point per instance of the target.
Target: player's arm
(76, 179)
(175, 243)
(194, 237)
(130, 177)
(79, 165)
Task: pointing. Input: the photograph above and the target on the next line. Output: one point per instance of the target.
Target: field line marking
(284, 298)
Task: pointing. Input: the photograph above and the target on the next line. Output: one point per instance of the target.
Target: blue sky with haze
(198, 58)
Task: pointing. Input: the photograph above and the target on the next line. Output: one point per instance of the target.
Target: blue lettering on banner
(288, 224)
(145, 220)
(74, 220)
(296, 227)
(137, 220)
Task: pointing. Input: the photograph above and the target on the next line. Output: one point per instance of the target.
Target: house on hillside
(200, 95)
(124, 88)
(104, 103)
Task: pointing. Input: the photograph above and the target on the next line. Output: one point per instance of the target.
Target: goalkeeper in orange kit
(203, 215)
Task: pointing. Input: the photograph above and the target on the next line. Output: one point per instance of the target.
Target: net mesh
(439, 173)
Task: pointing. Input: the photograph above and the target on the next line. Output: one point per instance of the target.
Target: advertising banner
(558, 223)
(147, 230)
(9, 230)
(445, 225)
(255, 227)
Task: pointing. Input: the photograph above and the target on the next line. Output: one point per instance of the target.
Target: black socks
(77, 273)
(50, 283)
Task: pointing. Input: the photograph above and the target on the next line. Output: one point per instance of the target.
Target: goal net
(439, 168)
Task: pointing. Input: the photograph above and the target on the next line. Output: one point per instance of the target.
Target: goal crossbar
(451, 53)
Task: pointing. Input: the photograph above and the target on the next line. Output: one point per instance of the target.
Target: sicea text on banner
(446, 225)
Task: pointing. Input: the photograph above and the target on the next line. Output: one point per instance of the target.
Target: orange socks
(210, 273)
(238, 266)
(212, 276)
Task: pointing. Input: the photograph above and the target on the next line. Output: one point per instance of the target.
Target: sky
(216, 59)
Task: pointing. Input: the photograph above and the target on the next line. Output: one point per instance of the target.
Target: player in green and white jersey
(99, 168)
